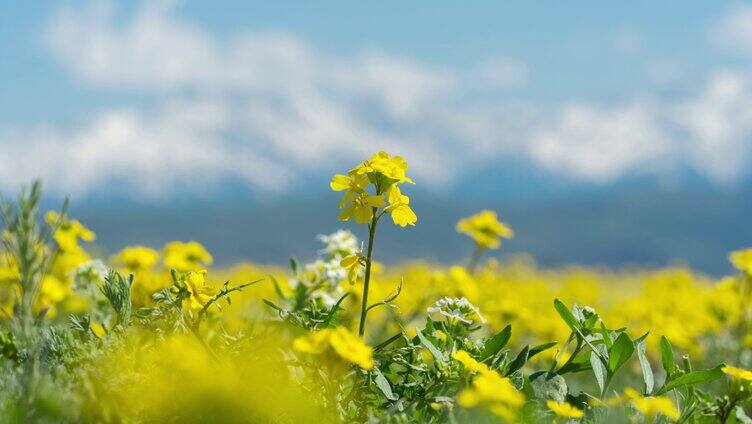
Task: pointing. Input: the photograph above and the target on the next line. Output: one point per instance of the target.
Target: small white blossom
(340, 243)
(457, 309)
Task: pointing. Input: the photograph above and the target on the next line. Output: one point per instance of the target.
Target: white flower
(93, 271)
(457, 309)
(341, 242)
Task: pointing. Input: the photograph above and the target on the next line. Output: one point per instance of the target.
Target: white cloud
(734, 29)
(267, 108)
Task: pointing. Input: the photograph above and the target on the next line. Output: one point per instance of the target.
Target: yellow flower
(564, 410)
(652, 405)
(399, 207)
(352, 264)
(737, 373)
(361, 208)
(69, 232)
(136, 258)
(384, 173)
(468, 362)
(742, 260)
(489, 388)
(190, 256)
(200, 292)
(485, 228)
(345, 345)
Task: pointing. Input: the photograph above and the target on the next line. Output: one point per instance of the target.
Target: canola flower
(190, 256)
(344, 344)
(372, 190)
(200, 292)
(740, 374)
(742, 260)
(565, 410)
(651, 406)
(494, 391)
(485, 228)
(136, 258)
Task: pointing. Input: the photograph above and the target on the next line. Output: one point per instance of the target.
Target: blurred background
(604, 134)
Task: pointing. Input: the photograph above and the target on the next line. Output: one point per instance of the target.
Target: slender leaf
(620, 352)
(383, 384)
(667, 356)
(518, 361)
(431, 348)
(496, 343)
(566, 315)
(599, 370)
(647, 371)
(693, 378)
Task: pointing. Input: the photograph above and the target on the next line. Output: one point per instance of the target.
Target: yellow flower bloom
(352, 265)
(199, 290)
(384, 173)
(190, 256)
(737, 373)
(564, 410)
(344, 344)
(485, 228)
(742, 260)
(69, 232)
(136, 258)
(489, 388)
(399, 207)
(652, 405)
(468, 362)
(361, 208)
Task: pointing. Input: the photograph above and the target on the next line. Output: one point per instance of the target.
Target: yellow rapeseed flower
(69, 232)
(200, 292)
(495, 391)
(651, 406)
(136, 258)
(352, 264)
(485, 228)
(190, 256)
(564, 410)
(468, 362)
(737, 373)
(344, 344)
(384, 173)
(742, 260)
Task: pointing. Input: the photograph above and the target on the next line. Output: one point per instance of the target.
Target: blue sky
(158, 95)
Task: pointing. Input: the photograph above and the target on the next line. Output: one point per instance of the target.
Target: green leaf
(620, 352)
(566, 315)
(667, 356)
(496, 343)
(295, 266)
(383, 384)
(540, 348)
(693, 378)
(518, 361)
(431, 348)
(599, 370)
(272, 305)
(579, 365)
(647, 371)
(333, 311)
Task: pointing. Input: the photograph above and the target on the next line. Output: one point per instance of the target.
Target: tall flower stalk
(371, 191)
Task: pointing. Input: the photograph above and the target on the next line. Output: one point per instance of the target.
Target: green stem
(475, 259)
(366, 282)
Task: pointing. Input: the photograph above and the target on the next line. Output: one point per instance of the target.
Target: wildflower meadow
(160, 335)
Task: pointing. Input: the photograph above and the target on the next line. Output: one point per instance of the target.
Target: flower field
(159, 335)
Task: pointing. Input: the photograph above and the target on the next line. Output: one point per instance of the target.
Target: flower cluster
(190, 256)
(136, 258)
(742, 260)
(382, 175)
(457, 309)
(485, 228)
(344, 344)
(489, 388)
